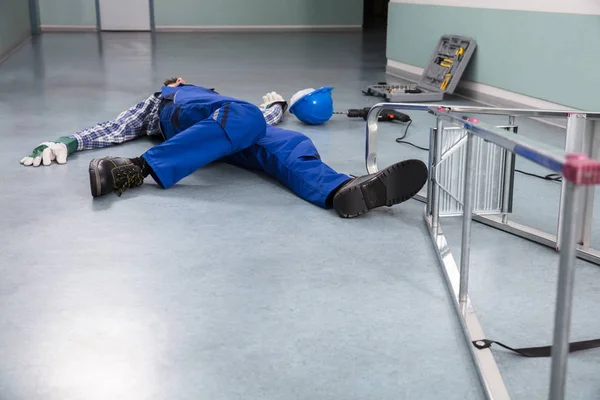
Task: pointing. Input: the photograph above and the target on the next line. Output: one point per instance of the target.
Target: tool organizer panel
(443, 73)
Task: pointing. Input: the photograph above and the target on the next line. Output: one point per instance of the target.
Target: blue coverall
(201, 126)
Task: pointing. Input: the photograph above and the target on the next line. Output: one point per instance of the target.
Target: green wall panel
(215, 13)
(551, 56)
(258, 12)
(14, 23)
(68, 12)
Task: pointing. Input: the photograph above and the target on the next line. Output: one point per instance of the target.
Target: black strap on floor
(545, 351)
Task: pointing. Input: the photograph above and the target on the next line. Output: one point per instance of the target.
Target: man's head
(174, 82)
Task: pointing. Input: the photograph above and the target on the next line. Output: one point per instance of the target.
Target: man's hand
(273, 98)
(47, 152)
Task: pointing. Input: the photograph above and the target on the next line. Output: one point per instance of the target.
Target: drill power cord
(549, 177)
(401, 140)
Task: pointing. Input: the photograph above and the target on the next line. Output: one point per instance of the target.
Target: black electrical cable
(402, 141)
(549, 177)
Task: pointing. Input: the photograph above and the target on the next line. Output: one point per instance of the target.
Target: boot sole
(393, 185)
(95, 185)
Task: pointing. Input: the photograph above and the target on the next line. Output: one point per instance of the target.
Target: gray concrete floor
(228, 286)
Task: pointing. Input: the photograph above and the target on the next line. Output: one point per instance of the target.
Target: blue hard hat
(313, 107)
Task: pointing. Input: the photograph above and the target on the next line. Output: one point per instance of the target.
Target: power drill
(386, 115)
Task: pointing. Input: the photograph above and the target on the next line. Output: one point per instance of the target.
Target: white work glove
(273, 98)
(47, 152)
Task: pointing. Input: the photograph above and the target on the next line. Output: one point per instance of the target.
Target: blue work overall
(201, 126)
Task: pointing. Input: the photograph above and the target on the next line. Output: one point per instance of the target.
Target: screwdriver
(386, 115)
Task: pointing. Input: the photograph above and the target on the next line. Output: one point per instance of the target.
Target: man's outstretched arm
(273, 115)
(137, 121)
(273, 108)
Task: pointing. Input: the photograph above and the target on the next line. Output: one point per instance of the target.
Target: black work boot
(113, 174)
(393, 185)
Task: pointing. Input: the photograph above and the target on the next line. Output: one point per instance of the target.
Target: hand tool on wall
(445, 62)
(446, 81)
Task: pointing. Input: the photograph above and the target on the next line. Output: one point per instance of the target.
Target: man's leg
(292, 159)
(233, 128)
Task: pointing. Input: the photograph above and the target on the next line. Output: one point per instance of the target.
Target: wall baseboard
(258, 28)
(15, 47)
(68, 28)
(481, 93)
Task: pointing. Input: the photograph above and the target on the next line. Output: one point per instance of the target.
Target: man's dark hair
(170, 81)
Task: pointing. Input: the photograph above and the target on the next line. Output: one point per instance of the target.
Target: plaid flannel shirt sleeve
(273, 115)
(130, 124)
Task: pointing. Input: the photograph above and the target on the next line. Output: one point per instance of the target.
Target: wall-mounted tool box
(443, 73)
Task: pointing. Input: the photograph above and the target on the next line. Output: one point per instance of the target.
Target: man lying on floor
(199, 126)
